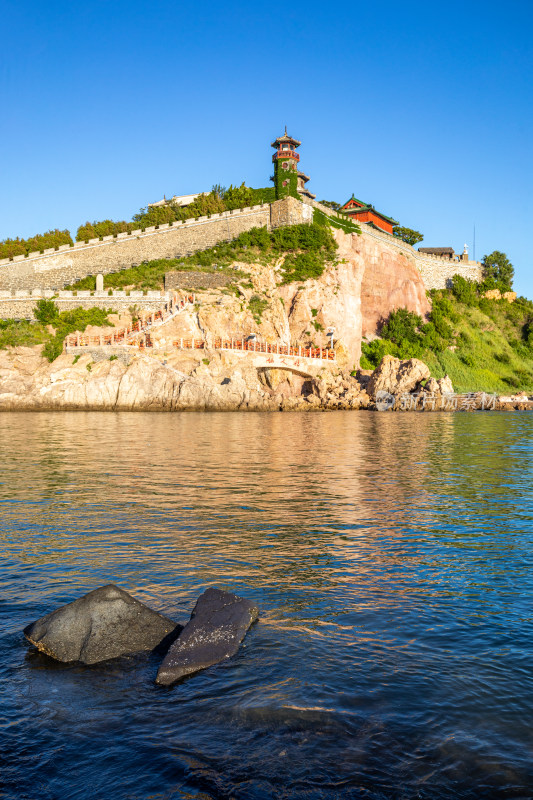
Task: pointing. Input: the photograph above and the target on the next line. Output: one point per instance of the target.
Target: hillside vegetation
(482, 344)
(306, 250)
(51, 327)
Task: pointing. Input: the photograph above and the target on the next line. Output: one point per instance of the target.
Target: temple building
(288, 180)
(365, 212)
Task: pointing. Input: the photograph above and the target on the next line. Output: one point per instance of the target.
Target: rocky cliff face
(208, 381)
(366, 283)
(352, 296)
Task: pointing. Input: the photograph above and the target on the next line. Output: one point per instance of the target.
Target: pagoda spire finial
(286, 134)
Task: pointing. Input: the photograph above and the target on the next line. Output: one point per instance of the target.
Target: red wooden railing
(280, 154)
(253, 346)
(132, 334)
(138, 335)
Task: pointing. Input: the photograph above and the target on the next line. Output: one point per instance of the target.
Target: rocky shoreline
(216, 382)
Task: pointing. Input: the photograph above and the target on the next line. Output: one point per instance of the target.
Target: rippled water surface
(391, 557)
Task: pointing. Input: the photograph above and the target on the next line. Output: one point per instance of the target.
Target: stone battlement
(55, 269)
(154, 229)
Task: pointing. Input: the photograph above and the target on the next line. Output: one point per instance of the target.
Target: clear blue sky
(424, 109)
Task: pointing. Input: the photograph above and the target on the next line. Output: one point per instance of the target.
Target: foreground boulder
(217, 626)
(397, 377)
(104, 623)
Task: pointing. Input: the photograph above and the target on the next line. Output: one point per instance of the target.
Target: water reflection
(391, 557)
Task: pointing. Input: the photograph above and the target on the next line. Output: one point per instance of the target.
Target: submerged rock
(217, 626)
(105, 623)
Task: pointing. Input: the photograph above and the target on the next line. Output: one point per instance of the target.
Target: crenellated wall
(55, 269)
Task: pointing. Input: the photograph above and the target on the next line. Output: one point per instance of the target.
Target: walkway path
(138, 336)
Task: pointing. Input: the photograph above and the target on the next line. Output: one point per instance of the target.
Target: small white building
(178, 200)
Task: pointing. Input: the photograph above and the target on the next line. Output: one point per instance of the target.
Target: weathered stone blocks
(189, 279)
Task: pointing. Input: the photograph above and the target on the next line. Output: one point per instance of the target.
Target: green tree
(331, 204)
(464, 290)
(407, 235)
(238, 197)
(496, 265)
(46, 312)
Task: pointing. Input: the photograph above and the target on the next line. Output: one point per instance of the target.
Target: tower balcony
(286, 154)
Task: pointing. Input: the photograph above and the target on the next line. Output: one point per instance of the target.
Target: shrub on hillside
(20, 333)
(402, 325)
(486, 306)
(464, 290)
(527, 333)
(256, 237)
(69, 321)
(304, 237)
(303, 267)
(46, 312)
(374, 351)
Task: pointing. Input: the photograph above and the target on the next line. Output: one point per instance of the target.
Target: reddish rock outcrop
(369, 280)
(389, 280)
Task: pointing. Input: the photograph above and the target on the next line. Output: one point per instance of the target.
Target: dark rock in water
(217, 626)
(104, 623)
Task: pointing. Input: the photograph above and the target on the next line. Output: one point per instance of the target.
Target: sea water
(391, 556)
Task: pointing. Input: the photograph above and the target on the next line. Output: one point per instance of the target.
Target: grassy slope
(486, 346)
(484, 359)
(305, 247)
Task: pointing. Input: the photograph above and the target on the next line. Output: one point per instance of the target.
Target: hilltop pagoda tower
(288, 180)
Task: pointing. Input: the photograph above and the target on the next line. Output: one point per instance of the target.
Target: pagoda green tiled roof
(356, 200)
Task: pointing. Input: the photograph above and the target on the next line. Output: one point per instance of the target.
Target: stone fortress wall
(190, 279)
(52, 270)
(55, 269)
(436, 272)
